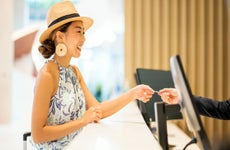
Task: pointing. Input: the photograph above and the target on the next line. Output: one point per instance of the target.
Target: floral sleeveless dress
(67, 104)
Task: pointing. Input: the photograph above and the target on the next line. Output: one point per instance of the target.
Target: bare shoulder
(49, 70)
(48, 76)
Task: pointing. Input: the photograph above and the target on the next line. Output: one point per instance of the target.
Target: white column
(6, 60)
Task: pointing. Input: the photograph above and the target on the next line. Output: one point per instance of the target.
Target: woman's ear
(59, 36)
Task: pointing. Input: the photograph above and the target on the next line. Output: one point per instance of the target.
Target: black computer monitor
(187, 103)
(157, 80)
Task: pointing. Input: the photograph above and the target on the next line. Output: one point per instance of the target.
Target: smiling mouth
(79, 48)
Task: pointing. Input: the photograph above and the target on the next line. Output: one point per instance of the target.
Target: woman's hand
(93, 114)
(142, 92)
(169, 95)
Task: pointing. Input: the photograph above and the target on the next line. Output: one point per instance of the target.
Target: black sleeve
(213, 108)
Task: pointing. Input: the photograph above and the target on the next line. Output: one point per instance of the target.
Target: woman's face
(74, 38)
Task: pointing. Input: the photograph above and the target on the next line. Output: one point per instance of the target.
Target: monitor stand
(161, 114)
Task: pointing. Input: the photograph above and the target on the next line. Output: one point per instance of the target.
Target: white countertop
(126, 130)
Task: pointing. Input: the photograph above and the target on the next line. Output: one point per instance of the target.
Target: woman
(63, 104)
(206, 106)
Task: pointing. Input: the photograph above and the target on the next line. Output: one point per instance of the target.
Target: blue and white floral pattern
(67, 104)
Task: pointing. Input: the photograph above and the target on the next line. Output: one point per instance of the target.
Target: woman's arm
(109, 107)
(140, 92)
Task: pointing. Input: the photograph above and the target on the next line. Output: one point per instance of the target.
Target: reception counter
(125, 130)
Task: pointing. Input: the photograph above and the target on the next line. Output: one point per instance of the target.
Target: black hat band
(63, 18)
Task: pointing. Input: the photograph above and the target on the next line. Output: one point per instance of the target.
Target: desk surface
(115, 136)
(125, 130)
(178, 138)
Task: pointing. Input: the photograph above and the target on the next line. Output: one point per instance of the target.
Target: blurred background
(101, 61)
(126, 34)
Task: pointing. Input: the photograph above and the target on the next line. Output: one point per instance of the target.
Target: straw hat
(61, 13)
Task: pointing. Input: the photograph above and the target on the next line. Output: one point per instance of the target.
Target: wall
(197, 30)
(6, 57)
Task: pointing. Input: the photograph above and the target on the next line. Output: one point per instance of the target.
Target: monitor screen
(187, 103)
(157, 80)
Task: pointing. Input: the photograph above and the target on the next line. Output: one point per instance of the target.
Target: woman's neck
(63, 61)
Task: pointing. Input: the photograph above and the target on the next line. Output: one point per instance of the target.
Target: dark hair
(47, 48)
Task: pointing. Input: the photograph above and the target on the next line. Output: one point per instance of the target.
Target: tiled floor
(22, 98)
